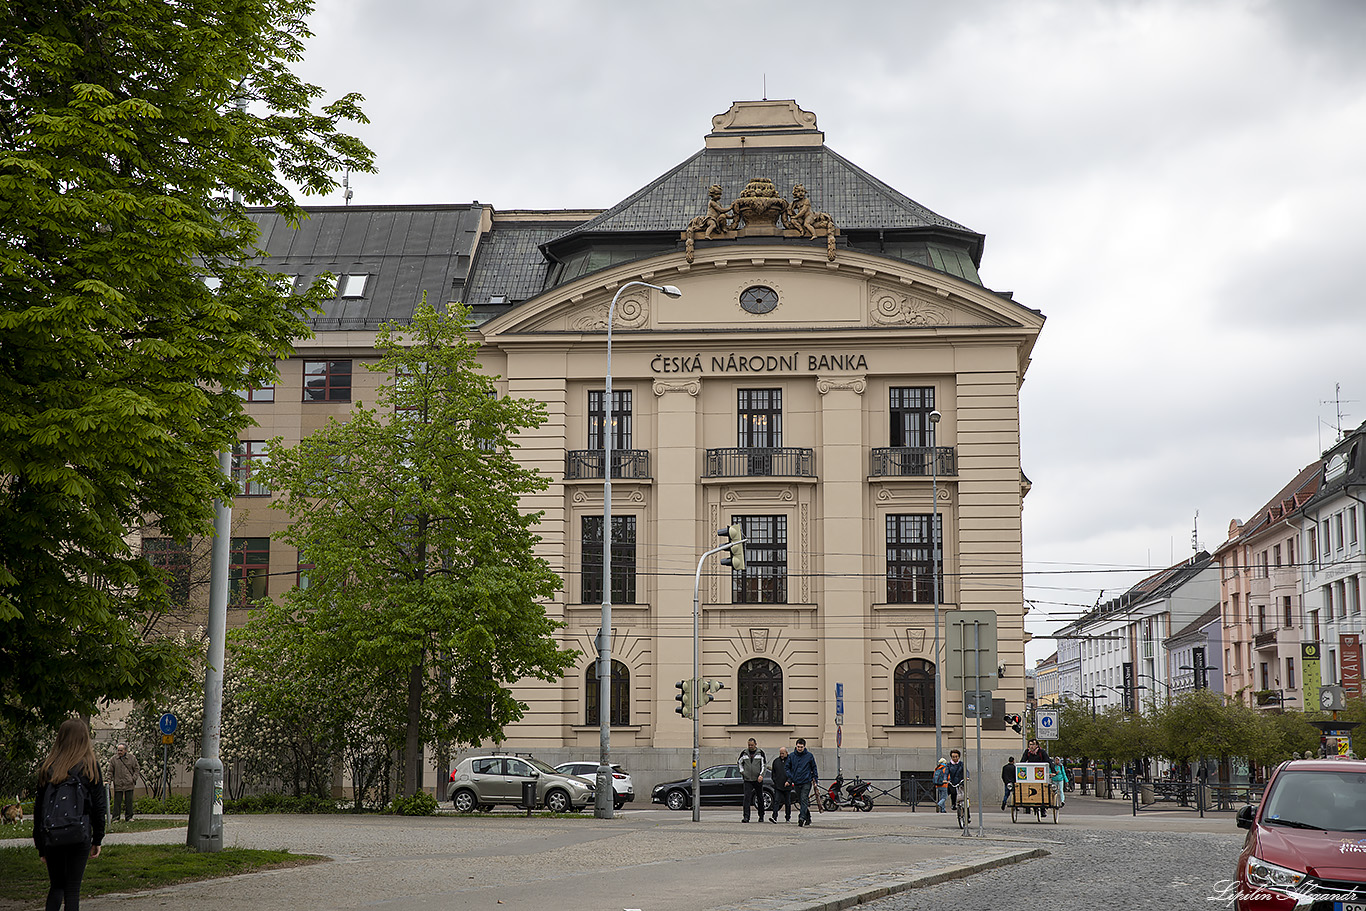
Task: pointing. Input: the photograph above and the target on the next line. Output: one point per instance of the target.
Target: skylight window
(353, 285)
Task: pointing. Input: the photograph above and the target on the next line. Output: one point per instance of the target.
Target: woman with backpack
(68, 813)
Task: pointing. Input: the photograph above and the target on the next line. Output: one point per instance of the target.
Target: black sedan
(721, 785)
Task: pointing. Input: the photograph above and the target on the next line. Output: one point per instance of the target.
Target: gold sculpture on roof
(757, 212)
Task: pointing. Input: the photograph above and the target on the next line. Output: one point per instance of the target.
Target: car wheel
(557, 801)
(676, 800)
(618, 803)
(464, 801)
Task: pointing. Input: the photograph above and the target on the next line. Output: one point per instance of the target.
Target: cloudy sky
(1180, 187)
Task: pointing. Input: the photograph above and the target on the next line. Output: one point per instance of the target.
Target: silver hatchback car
(482, 782)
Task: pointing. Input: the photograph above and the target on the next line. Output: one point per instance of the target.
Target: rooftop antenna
(1337, 403)
(1195, 532)
(765, 86)
(347, 193)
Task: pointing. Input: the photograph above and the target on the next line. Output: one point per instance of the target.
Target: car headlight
(659, 789)
(1266, 875)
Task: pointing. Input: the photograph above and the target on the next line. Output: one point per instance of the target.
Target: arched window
(621, 694)
(760, 685)
(913, 692)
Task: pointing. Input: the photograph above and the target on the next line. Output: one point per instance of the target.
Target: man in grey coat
(123, 775)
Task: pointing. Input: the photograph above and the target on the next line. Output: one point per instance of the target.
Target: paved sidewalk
(647, 859)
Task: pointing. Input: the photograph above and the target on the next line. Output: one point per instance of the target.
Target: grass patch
(25, 828)
(131, 868)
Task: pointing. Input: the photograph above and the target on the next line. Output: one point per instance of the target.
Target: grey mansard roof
(854, 198)
(402, 250)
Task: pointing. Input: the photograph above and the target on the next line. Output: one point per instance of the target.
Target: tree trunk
(412, 744)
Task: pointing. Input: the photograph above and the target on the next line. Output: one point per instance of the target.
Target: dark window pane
(913, 693)
(623, 560)
(909, 409)
(764, 580)
(910, 561)
(759, 682)
(621, 418)
(621, 694)
(760, 414)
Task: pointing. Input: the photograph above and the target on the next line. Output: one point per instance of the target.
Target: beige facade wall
(843, 334)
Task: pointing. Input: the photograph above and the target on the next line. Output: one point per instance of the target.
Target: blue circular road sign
(167, 723)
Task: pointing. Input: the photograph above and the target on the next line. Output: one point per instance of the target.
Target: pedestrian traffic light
(736, 560)
(708, 690)
(1015, 721)
(684, 698)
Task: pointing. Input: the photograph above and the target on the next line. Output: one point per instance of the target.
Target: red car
(1306, 843)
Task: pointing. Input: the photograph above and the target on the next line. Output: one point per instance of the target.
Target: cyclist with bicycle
(957, 774)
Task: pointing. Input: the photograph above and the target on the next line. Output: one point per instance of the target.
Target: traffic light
(708, 690)
(1015, 721)
(684, 698)
(736, 560)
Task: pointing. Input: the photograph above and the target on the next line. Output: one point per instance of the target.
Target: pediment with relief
(900, 306)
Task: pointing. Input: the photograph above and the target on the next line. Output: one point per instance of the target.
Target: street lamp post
(934, 560)
(603, 797)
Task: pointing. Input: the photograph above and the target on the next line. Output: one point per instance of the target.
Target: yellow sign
(168, 738)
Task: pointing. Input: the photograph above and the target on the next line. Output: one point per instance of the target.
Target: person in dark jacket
(801, 771)
(782, 788)
(72, 754)
(1007, 779)
(752, 764)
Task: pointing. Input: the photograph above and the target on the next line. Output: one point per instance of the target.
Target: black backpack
(64, 819)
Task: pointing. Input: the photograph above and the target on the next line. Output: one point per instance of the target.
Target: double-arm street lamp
(603, 796)
(1091, 698)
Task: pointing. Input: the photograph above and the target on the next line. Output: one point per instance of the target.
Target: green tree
(425, 575)
(132, 134)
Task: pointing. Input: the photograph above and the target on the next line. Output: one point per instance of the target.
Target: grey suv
(481, 782)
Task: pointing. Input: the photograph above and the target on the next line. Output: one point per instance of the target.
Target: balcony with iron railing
(627, 464)
(913, 462)
(775, 462)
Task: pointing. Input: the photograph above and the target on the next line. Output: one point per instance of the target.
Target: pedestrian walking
(752, 765)
(782, 787)
(801, 771)
(941, 785)
(123, 775)
(68, 813)
(1008, 779)
(1060, 781)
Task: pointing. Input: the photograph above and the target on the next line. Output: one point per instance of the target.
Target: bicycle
(964, 805)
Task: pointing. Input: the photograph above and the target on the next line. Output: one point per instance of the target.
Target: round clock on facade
(758, 298)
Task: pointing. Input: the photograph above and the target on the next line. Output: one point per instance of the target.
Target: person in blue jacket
(801, 771)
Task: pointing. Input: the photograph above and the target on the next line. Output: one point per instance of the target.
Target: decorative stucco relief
(760, 494)
(587, 496)
(891, 307)
(856, 384)
(893, 493)
(691, 387)
(633, 312)
(758, 639)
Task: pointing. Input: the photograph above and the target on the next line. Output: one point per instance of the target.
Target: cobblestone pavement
(1092, 868)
